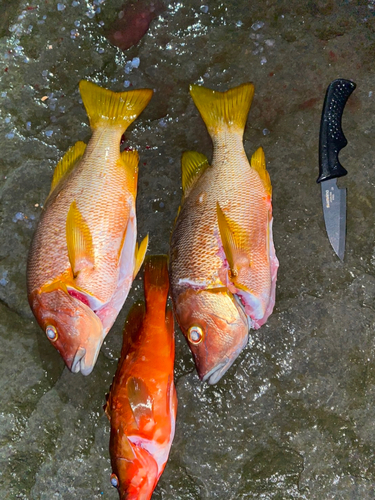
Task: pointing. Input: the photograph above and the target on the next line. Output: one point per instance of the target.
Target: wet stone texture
(294, 418)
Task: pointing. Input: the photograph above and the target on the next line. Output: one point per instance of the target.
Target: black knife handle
(331, 138)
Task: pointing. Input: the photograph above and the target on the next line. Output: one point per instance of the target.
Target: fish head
(216, 328)
(134, 473)
(71, 327)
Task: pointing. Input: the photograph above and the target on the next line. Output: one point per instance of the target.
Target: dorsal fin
(193, 164)
(130, 159)
(140, 400)
(79, 241)
(258, 163)
(67, 163)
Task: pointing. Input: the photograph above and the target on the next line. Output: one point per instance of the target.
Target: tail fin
(156, 280)
(112, 109)
(221, 110)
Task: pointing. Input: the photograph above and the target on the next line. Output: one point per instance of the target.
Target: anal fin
(140, 253)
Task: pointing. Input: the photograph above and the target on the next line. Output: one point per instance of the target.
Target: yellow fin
(55, 285)
(79, 241)
(223, 109)
(112, 109)
(140, 253)
(193, 164)
(227, 237)
(258, 163)
(232, 240)
(130, 158)
(67, 163)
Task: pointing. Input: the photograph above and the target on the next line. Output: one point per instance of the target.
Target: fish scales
(240, 193)
(142, 401)
(100, 185)
(223, 265)
(84, 254)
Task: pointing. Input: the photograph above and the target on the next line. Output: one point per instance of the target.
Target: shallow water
(295, 415)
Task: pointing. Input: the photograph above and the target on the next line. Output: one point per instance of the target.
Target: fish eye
(195, 335)
(51, 333)
(114, 480)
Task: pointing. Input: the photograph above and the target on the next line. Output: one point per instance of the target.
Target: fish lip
(77, 361)
(213, 376)
(80, 361)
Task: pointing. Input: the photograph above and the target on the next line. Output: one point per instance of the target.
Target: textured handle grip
(332, 139)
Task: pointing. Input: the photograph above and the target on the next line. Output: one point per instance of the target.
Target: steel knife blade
(331, 141)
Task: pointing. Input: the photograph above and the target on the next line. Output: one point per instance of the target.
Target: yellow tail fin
(222, 110)
(112, 109)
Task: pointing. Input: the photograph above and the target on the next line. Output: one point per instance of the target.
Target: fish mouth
(215, 374)
(78, 361)
(83, 362)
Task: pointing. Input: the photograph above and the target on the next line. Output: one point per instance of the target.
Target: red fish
(133, 22)
(142, 402)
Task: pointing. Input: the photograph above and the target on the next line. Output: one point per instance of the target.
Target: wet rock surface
(294, 417)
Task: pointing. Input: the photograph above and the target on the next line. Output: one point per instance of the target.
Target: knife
(331, 141)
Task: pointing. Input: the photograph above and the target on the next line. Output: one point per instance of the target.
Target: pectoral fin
(79, 241)
(55, 285)
(140, 400)
(127, 451)
(235, 246)
(228, 239)
(140, 253)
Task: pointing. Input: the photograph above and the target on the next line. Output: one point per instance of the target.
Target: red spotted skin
(143, 422)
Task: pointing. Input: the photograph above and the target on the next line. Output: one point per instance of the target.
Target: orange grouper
(222, 259)
(142, 402)
(84, 256)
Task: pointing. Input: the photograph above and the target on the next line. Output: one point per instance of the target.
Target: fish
(133, 22)
(223, 265)
(84, 253)
(142, 402)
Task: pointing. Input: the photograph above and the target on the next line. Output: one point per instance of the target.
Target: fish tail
(112, 109)
(223, 110)
(156, 280)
